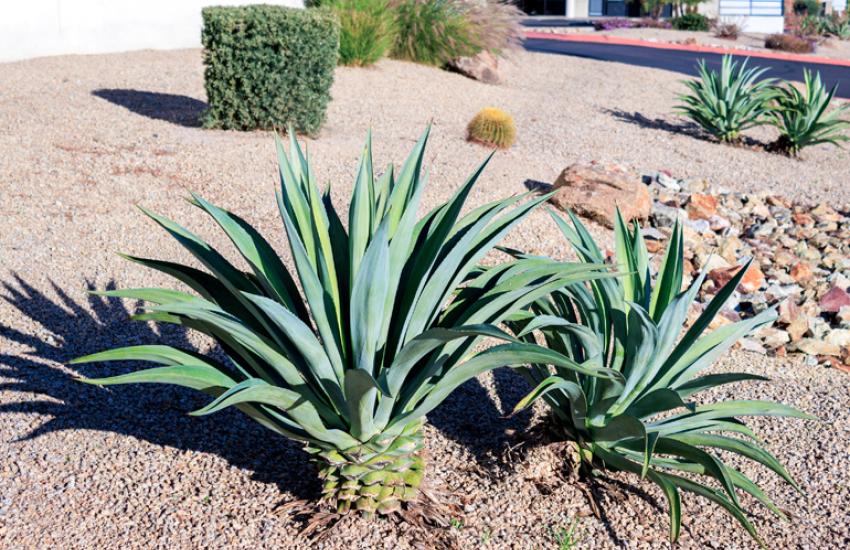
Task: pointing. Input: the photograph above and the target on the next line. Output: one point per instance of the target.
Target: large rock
(483, 66)
(592, 191)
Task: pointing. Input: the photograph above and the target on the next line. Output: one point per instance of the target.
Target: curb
(619, 41)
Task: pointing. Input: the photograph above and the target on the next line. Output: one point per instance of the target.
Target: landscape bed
(123, 466)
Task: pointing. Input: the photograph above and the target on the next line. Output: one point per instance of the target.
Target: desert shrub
(646, 421)
(789, 43)
(614, 23)
(802, 116)
(691, 22)
(367, 30)
(824, 26)
(366, 331)
(809, 7)
(433, 32)
(493, 127)
(727, 30)
(726, 103)
(268, 66)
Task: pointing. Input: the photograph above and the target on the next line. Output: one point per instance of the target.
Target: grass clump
(493, 127)
(367, 30)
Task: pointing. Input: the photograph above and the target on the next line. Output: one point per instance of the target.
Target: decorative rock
(802, 272)
(839, 337)
(844, 316)
(834, 300)
(592, 191)
(702, 207)
(773, 338)
(748, 344)
(752, 281)
(666, 216)
(812, 346)
(483, 66)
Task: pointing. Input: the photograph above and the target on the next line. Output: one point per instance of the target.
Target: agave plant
(725, 104)
(647, 422)
(802, 117)
(349, 351)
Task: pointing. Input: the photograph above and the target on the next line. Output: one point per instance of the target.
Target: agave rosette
(646, 422)
(802, 116)
(725, 104)
(350, 350)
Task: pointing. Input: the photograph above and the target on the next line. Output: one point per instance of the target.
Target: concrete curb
(619, 41)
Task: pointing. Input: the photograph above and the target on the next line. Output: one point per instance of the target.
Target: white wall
(33, 28)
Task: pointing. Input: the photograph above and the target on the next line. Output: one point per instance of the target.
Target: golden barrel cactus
(493, 127)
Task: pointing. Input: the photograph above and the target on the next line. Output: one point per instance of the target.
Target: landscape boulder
(592, 191)
(483, 66)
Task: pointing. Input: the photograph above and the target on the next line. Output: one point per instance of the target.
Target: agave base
(375, 477)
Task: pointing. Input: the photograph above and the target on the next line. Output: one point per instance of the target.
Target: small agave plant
(725, 104)
(647, 422)
(349, 351)
(803, 119)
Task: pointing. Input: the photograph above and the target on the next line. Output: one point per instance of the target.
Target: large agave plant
(725, 104)
(350, 350)
(648, 422)
(802, 117)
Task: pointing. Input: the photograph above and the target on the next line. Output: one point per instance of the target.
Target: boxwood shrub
(268, 66)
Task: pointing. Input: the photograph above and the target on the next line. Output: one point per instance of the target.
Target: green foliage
(691, 22)
(493, 127)
(268, 66)
(726, 103)
(367, 30)
(434, 32)
(567, 538)
(370, 331)
(826, 25)
(646, 421)
(808, 7)
(802, 117)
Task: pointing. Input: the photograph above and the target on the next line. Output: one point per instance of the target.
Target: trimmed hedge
(268, 66)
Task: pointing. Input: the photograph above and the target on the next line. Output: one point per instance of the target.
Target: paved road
(685, 61)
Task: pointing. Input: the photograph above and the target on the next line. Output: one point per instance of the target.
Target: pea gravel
(84, 138)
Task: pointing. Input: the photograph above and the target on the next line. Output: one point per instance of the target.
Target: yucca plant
(647, 422)
(802, 117)
(350, 350)
(725, 104)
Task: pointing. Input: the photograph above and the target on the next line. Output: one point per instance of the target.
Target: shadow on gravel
(152, 412)
(471, 418)
(176, 109)
(686, 128)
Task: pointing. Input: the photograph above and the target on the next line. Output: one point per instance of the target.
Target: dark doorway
(544, 7)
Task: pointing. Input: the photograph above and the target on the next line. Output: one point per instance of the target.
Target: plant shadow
(176, 109)
(64, 329)
(470, 417)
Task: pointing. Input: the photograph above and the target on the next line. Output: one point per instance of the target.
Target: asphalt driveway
(683, 61)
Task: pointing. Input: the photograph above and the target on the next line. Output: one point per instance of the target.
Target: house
(763, 16)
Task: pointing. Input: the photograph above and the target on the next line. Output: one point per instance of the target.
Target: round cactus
(493, 127)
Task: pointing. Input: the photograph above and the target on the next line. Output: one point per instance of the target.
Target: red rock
(702, 207)
(803, 220)
(834, 300)
(593, 191)
(802, 272)
(752, 281)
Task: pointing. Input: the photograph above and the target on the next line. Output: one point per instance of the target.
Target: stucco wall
(33, 28)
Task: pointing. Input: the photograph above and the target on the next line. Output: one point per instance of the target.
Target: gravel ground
(84, 138)
(830, 47)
